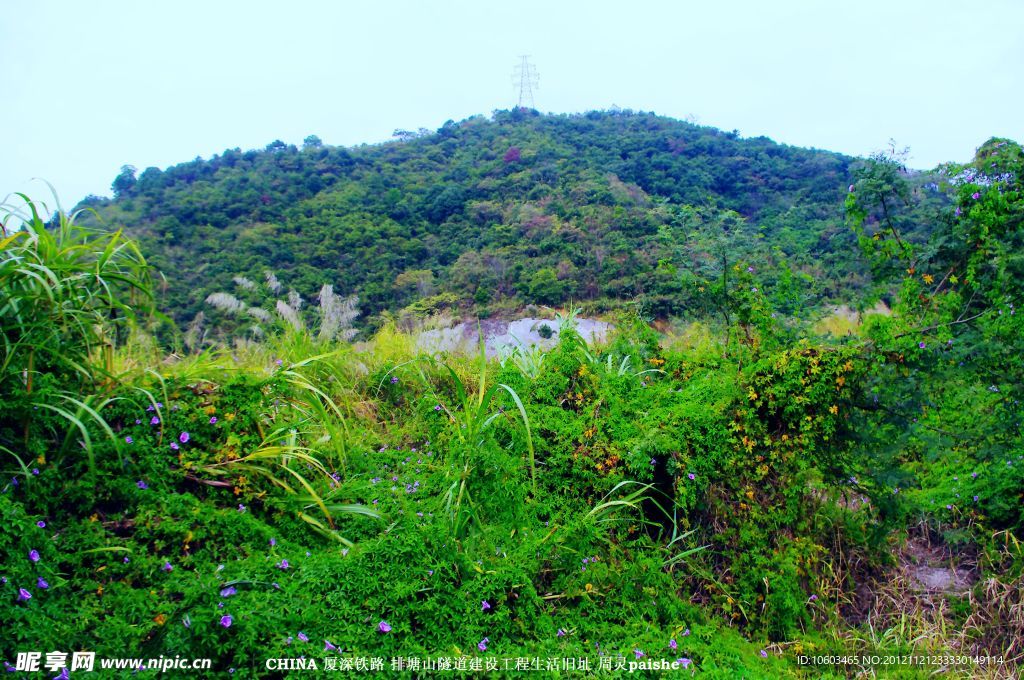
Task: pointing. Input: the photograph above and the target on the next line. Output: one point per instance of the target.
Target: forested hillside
(496, 213)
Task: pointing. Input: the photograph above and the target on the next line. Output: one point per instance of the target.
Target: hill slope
(518, 208)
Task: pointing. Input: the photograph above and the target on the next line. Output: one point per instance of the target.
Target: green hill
(518, 208)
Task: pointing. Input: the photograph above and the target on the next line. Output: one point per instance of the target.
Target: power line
(526, 77)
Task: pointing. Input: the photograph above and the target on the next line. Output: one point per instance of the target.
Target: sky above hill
(90, 86)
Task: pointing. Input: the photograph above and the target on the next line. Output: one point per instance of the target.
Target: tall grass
(69, 297)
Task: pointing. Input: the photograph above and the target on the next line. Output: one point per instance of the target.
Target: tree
(124, 182)
(312, 142)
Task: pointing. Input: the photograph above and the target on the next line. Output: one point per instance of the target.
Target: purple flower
(154, 421)
(167, 567)
(958, 211)
(138, 422)
(672, 644)
(750, 269)
(812, 598)
(278, 362)
(484, 605)
(228, 592)
(384, 627)
(174, 446)
(328, 647)
(283, 564)
(561, 632)
(482, 645)
(126, 560)
(437, 408)
(183, 437)
(394, 379)
(213, 420)
(241, 508)
(141, 484)
(129, 440)
(654, 461)
(684, 662)
(851, 188)
(686, 632)
(41, 583)
(692, 476)
(33, 555)
(975, 195)
(35, 471)
(41, 524)
(302, 636)
(639, 653)
(975, 499)
(226, 620)
(764, 654)
(24, 595)
(273, 542)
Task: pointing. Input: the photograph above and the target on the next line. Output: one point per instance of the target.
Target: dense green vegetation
(495, 213)
(733, 492)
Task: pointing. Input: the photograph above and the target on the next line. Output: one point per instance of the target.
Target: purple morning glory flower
(241, 508)
(482, 645)
(279, 362)
(764, 654)
(35, 471)
(141, 484)
(24, 595)
(302, 636)
(41, 583)
(692, 476)
(484, 605)
(958, 211)
(437, 408)
(226, 620)
(174, 446)
(975, 499)
(129, 440)
(213, 420)
(154, 421)
(561, 632)
(126, 560)
(672, 644)
(686, 632)
(33, 555)
(684, 662)
(976, 195)
(228, 592)
(41, 524)
(167, 567)
(639, 653)
(283, 564)
(138, 422)
(183, 437)
(384, 627)
(273, 542)
(394, 379)
(328, 647)
(920, 345)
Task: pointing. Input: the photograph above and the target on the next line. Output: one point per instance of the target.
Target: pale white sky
(87, 86)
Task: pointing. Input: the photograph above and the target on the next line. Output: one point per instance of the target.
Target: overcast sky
(88, 86)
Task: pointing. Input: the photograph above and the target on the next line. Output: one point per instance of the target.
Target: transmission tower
(526, 77)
